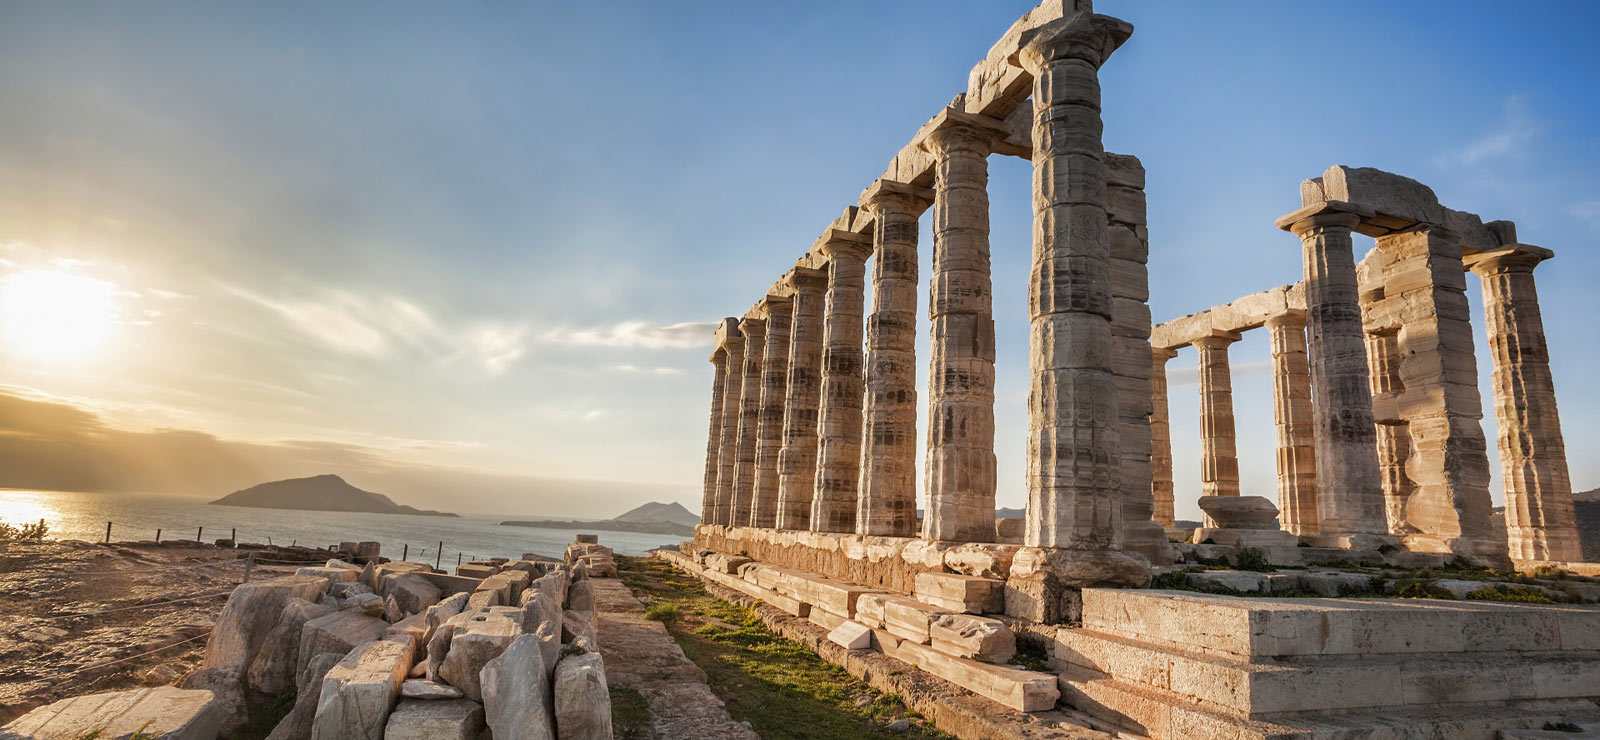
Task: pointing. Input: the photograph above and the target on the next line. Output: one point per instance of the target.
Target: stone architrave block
(420, 719)
(1019, 689)
(582, 699)
(1399, 201)
(339, 632)
(961, 593)
(518, 694)
(969, 636)
(161, 713)
(851, 636)
(358, 693)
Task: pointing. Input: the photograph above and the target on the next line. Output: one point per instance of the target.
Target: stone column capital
(1217, 339)
(846, 245)
(1326, 214)
(1162, 354)
(733, 345)
(1512, 258)
(955, 130)
(1083, 36)
(807, 280)
(775, 305)
(753, 327)
(1292, 319)
(888, 196)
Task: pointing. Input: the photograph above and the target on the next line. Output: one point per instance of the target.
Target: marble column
(1219, 459)
(1424, 279)
(1540, 520)
(1292, 420)
(1073, 460)
(728, 449)
(1350, 494)
(708, 499)
(1161, 438)
(887, 504)
(774, 393)
(1394, 434)
(833, 505)
(797, 460)
(961, 460)
(744, 470)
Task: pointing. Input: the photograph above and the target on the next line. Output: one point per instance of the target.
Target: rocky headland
(319, 493)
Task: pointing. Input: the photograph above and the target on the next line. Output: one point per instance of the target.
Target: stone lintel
(917, 197)
(1250, 312)
(1512, 255)
(727, 329)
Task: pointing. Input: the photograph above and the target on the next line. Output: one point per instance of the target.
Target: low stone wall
(888, 563)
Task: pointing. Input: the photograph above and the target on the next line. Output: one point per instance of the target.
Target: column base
(1478, 553)
(1149, 538)
(1046, 584)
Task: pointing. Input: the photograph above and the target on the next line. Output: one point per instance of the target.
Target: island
(653, 518)
(318, 493)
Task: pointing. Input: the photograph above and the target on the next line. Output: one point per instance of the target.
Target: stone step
(958, 593)
(1276, 686)
(834, 596)
(1157, 714)
(1248, 628)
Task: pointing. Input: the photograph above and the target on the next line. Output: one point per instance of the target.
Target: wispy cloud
(1516, 129)
(647, 370)
(636, 334)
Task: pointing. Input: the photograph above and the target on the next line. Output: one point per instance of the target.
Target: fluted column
(1540, 520)
(1394, 434)
(1350, 495)
(797, 461)
(728, 448)
(744, 472)
(887, 504)
(1074, 500)
(1161, 438)
(1219, 459)
(774, 393)
(1292, 419)
(961, 460)
(833, 507)
(719, 378)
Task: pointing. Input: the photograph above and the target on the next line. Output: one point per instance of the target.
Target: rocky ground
(77, 618)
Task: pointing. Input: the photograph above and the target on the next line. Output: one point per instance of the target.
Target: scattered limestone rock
(358, 693)
(969, 636)
(296, 725)
(479, 637)
(368, 604)
(412, 592)
(162, 713)
(517, 693)
(338, 632)
(424, 689)
(851, 636)
(251, 612)
(415, 719)
(582, 701)
(391, 610)
(580, 596)
(413, 628)
(273, 670)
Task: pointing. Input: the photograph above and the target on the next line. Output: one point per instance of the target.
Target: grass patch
(630, 714)
(1507, 592)
(664, 612)
(783, 689)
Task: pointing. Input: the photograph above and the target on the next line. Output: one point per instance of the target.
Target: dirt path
(76, 617)
(640, 656)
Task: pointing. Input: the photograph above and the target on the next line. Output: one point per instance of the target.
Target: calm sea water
(83, 516)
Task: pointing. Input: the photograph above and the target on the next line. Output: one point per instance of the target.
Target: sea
(138, 516)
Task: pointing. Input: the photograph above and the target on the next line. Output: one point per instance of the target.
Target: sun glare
(54, 316)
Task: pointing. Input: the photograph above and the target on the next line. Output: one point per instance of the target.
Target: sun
(56, 316)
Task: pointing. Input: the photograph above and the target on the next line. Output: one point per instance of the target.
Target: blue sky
(490, 238)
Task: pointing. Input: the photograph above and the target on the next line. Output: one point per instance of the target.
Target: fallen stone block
(358, 693)
(959, 593)
(449, 584)
(724, 563)
(161, 713)
(368, 604)
(296, 725)
(824, 618)
(1022, 690)
(910, 619)
(250, 614)
(517, 693)
(416, 719)
(981, 559)
(334, 575)
(425, 689)
(482, 599)
(338, 632)
(580, 596)
(477, 637)
(276, 664)
(582, 701)
(412, 592)
(969, 636)
(344, 591)
(553, 583)
(576, 624)
(470, 570)
(413, 628)
(851, 636)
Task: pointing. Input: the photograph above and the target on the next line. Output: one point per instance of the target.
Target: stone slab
(161, 713)
(1022, 690)
(449, 719)
(961, 593)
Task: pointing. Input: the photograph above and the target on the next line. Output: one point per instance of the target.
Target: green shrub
(1507, 592)
(33, 532)
(1252, 558)
(665, 613)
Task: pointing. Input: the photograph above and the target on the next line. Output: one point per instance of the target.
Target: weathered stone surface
(470, 570)
(477, 637)
(719, 381)
(833, 506)
(338, 632)
(1022, 690)
(517, 693)
(276, 664)
(160, 713)
(582, 700)
(296, 725)
(978, 638)
(413, 628)
(358, 693)
(797, 458)
(851, 635)
(960, 593)
(754, 330)
(412, 593)
(250, 614)
(415, 719)
(980, 559)
(368, 604)
(334, 575)
(1293, 423)
(576, 624)
(425, 689)
(580, 596)
(1241, 512)
(769, 432)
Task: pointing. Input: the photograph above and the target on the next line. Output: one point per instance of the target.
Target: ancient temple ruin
(810, 499)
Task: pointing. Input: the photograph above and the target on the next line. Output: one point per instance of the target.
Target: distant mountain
(656, 511)
(1004, 513)
(652, 518)
(318, 493)
(1586, 505)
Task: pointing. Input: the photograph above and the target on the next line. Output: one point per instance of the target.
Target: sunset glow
(56, 316)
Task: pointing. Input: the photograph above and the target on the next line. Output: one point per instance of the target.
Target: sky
(470, 254)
